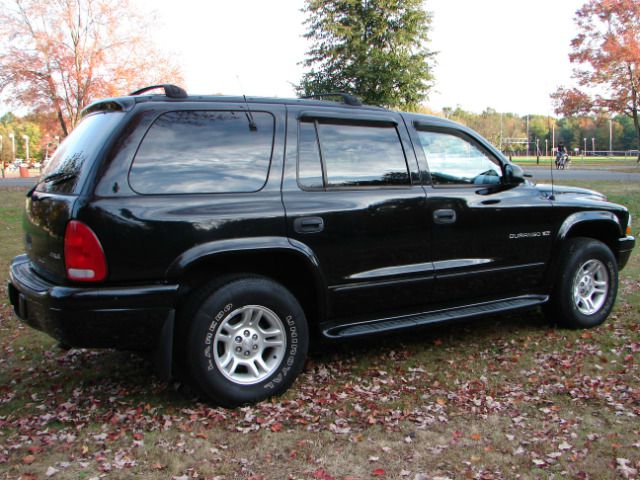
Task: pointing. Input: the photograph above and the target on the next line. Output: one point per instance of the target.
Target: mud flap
(163, 355)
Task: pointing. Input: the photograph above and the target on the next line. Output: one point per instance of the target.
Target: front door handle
(308, 225)
(444, 216)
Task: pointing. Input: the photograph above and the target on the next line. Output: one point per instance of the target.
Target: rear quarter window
(204, 152)
(72, 160)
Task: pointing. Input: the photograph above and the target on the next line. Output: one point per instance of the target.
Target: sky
(505, 54)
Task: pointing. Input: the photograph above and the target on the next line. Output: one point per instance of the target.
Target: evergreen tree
(374, 49)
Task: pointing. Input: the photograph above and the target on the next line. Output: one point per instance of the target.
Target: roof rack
(171, 91)
(346, 97)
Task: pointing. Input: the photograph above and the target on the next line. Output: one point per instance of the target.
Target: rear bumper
(625, 246)
(128, 317)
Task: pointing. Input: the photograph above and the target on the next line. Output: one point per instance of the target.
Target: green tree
(19, 128)
(375, 49)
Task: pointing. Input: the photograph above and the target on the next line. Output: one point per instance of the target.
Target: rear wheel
(586, 286)
(247, 340)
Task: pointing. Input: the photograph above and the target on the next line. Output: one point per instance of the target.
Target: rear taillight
(83, 255)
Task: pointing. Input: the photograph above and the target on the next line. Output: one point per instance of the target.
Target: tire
(586, 286)
(247, 340)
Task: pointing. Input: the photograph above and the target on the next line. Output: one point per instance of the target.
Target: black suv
(222, 232)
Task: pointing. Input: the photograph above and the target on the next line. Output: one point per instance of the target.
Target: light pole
(593, 146)
(26, 147)
(546, 147)
(584, 150)
(610, 137)
(13, 147)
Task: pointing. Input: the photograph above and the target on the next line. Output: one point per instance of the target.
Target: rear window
(204, 152)
(70, 164)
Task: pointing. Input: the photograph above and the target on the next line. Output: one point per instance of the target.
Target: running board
(437, 316)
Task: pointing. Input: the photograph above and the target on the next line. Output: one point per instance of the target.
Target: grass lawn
(578, 161)
(499, 398)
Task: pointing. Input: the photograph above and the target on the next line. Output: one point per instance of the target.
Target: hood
(571, 191)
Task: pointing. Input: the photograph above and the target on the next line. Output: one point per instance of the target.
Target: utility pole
(527, 135)
(584, 150)
(26, 146)
(546, 147)
(593, 146)
(537, 151)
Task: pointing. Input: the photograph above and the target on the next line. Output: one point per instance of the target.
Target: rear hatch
(50, 205)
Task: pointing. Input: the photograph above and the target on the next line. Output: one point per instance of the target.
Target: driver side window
(454, 160)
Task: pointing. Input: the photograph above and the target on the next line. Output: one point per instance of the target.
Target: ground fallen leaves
(98, 408)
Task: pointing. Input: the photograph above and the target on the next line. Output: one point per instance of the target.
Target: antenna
(552, 197)
(252, 124)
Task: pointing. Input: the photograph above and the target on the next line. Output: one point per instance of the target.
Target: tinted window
(204, 152)
(309, 165)
(72, 160)
(362, 155)
(455, 160)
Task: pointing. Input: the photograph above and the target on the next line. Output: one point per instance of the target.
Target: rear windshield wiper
(57, 177)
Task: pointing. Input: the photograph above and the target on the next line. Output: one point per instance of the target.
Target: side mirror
(513, 174)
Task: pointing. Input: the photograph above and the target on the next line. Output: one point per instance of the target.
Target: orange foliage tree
(607, 57)
(60, 55)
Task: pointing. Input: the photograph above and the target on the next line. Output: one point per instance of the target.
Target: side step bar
(409, 321)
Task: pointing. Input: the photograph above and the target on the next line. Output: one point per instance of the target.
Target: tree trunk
(636, 123)
(63, 124)
(56, 103)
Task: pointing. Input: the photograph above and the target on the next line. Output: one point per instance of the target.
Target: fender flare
(264, 245)
(569, 223)
(588, 216)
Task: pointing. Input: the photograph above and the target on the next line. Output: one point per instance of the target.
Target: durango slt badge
(530, 234)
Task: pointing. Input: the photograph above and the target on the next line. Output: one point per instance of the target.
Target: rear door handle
(308, 225)
(444, 216)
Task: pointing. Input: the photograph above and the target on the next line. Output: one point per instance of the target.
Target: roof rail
(171, 91)
(346, 97)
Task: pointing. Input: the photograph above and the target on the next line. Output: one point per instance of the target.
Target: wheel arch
(598, 225)
(288, 262)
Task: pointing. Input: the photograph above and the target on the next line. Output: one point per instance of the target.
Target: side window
(353, 155)
(309, 163)
(204, 152)
(453, 160)
(362, 155)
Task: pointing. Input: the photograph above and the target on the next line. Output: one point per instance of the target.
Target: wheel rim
(249, 344)
(590, 287)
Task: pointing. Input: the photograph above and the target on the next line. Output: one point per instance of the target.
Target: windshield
(66, 170)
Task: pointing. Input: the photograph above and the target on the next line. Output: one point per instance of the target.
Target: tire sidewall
(209, 317)
(581, 251)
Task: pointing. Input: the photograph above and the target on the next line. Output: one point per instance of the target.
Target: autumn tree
(606, 53)
(375, 49)
(60, 55)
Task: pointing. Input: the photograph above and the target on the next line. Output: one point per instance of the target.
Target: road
(543, 174)
(17, 182)
(540, 174)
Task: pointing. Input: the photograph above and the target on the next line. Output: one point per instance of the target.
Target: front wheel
(587, 284)
(247, 340)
